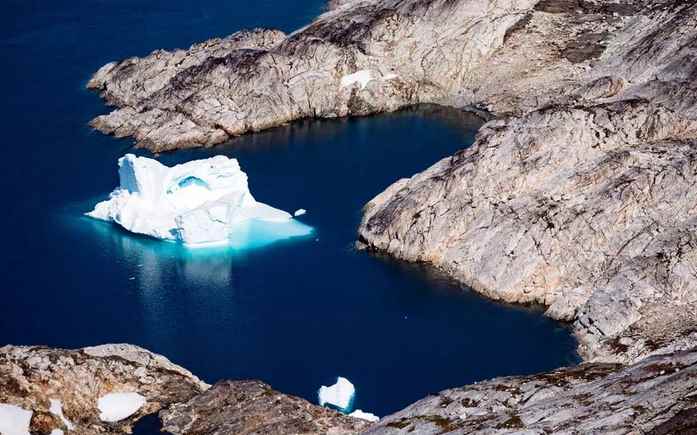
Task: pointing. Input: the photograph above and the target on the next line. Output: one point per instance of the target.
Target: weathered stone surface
(252, 407)
(585, 205)
(504, 56)
(31, 376)
(657, 396)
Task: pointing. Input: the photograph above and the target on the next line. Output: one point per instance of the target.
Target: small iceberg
(198, 203)
(115, 407)
(339, 395)
(299, 212)
(364, 415)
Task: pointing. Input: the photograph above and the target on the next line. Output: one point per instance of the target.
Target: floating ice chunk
(57, 410)
(14, 420)
(118, 406)
(339, 395)
(198, 203)
(361, 77)
(364, 415)
(299, 212)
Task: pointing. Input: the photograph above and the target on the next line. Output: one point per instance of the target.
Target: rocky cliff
(584, 204)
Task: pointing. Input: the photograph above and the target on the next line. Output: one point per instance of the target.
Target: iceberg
(339, 395)
(364, 415)
(198, 203)
(115, 407)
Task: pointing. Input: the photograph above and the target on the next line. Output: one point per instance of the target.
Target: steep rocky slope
(361, 57)
(585, 205)
(31, 377)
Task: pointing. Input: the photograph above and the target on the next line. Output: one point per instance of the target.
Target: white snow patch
(362, 77)
(340, 394)
(118, 406)
(198, 203)
(14, 420)
(57, 410)
(56, 432)
(364, 415)
(299, 212)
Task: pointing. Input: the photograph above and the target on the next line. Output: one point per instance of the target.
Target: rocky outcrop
(254, 408)
(585, 205)
(656, 396)
(31, 377)
(360, 57)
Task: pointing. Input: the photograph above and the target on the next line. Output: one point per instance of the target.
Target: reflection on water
(161, 263)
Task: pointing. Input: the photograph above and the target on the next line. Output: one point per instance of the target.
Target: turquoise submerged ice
(198, 203)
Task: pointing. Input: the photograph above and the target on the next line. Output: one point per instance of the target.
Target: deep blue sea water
(295, 314)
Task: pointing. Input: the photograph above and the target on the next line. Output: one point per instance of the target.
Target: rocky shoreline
(577, 195)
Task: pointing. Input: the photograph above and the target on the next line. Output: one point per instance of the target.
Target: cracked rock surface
(504, 55)
(585, 205)
(254, 408)
(656, 396)
(31, 376)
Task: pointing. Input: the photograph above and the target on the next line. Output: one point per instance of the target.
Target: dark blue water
(296, 314)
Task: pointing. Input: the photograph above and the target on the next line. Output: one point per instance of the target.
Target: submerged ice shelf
(198, 203)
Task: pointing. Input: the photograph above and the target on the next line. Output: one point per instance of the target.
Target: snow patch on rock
(340, 394)
(14, 420)
(115, 407)
(361, 77)
(57, 410)
(198, 203)
(364, 415)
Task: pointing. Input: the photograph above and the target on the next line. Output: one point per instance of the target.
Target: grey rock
(501, 56)
(30, 376)
(253, 407)
(584, 205)
(655, 396)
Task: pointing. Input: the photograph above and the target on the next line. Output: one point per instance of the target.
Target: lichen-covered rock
(252, 407)
(31, 377)
(655, 396)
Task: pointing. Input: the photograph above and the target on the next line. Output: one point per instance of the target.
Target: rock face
(33, 377)
(654, 397)
(252, 407)
(405, 52)
(585, 205)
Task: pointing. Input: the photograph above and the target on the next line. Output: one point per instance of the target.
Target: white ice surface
(361, 77)
(14, 420)
(364, 415)
(299, 212)
(57, 410)
(118, 406)
(340, 394)
(197, 203)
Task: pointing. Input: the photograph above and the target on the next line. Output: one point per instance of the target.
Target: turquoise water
(294, 313)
